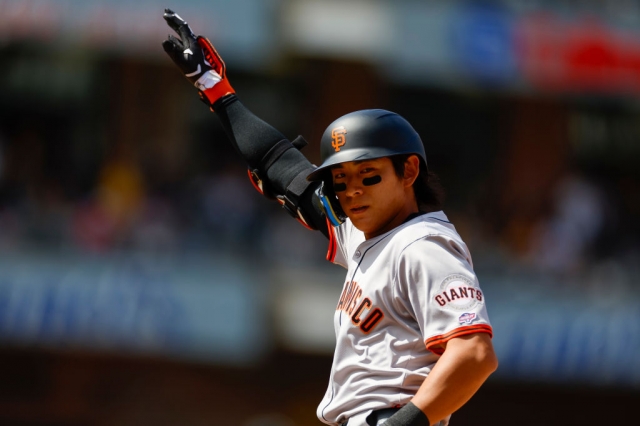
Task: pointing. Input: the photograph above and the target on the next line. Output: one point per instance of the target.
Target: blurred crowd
(46, 205)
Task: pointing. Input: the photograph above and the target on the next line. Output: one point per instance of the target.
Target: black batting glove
(198, 60)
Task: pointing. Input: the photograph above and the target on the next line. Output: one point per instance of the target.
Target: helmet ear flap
(328, 203)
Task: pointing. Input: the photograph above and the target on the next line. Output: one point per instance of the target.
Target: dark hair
(427, 187)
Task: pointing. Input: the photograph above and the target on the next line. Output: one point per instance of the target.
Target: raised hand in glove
(197, 59)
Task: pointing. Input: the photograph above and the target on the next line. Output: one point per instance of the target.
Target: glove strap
(220, 89)
(213, 85)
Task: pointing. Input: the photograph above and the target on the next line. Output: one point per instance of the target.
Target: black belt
(372, 419)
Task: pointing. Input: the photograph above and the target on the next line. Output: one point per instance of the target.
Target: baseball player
(413, 339)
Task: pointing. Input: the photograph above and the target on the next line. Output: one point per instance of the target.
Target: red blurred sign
(583, 55)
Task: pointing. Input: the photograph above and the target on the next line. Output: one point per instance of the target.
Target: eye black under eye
(373, 180)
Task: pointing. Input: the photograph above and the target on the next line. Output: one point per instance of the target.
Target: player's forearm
(251, 136)
(464, 366)
(255, 141)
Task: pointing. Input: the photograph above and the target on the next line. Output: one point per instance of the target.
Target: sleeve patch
(467, 318)
(459, 293)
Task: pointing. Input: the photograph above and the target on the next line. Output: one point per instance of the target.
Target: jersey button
(358, 253)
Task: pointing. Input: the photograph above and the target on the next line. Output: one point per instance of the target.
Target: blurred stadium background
(143, 282)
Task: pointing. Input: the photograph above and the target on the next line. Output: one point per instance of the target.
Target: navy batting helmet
(365, 135)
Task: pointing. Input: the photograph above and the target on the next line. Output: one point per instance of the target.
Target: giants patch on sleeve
(458, 293)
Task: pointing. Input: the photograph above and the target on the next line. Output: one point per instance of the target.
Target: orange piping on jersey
(331, 253)
(438, 340)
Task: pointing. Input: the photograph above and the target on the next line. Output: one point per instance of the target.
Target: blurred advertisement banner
(194, 309)
(578, 55)
(569, 340)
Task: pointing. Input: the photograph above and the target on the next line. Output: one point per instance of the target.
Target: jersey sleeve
(436, 284)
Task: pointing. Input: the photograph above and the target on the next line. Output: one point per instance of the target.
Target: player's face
(373, 196)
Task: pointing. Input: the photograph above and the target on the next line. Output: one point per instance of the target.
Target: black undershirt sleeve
(254, 140)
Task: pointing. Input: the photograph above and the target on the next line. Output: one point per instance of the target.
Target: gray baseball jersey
(406, 293)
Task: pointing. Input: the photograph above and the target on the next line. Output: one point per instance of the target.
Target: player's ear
(411, 170)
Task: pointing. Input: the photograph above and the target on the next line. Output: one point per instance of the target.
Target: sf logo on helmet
(337, 137)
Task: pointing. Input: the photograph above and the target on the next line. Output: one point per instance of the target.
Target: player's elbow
(481, 354)
(490, 361)
(477, 352)
(486, 357)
